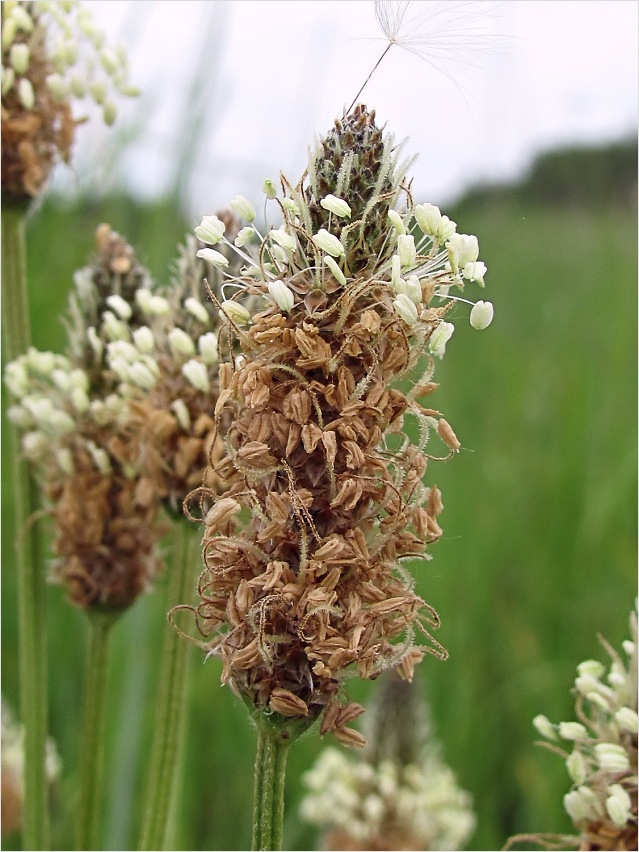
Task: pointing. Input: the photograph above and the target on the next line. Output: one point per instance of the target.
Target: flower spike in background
(52, 54)
(116, 429)
(602, 756)
(399, 794)
(44, 45)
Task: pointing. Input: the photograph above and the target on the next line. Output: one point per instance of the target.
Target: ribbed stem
(171, 698)
(93, 727)
(31, 585)
(270, 776)
(16, 335)
(275, 735)
(258, 783)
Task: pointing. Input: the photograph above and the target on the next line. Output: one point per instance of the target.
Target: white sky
(272, 74)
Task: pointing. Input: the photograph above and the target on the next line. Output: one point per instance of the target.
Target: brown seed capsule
(350, 737)
(445, 432)
(222, 512)
(285, 702)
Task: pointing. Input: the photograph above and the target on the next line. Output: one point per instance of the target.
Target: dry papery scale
(305, 555)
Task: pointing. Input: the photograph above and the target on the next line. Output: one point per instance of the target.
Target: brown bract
(603, 834)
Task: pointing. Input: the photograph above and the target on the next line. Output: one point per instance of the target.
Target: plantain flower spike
(52, 55)
(73, 416)
(122, 426)
(172, 435)
(304, 556)
(12, 770)
(399, 794)
(600, 752)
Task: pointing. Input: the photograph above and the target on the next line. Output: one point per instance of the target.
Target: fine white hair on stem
(436, 31)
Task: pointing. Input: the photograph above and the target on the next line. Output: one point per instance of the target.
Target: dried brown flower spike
(304, 572)
(32, 140)
(52, 52)
(171, 435)
(106, 526)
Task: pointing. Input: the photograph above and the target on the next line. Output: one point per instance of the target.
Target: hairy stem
(275, 735)
(171, 699)
(258, 783)
(93, 728)
(31, 585)
(270, 775)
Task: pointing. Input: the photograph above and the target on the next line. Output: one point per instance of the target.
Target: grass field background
(539, 546)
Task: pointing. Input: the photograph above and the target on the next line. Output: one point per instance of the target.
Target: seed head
(51, 53)
(308, 580)
(399, 794)
(602, 763)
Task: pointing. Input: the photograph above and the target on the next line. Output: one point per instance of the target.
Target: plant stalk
(93, 728)
(15, 307)
(16, 338)
(171, 699)
(275, 735)
(270, 776)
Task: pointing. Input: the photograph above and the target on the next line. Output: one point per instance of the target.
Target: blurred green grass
(539, 546)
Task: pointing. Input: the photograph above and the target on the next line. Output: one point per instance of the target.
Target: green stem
(171, 699)
(93, 728)
(31, 585)
(15, 306)
(275, 735)
(258, 784)
(270, 774)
